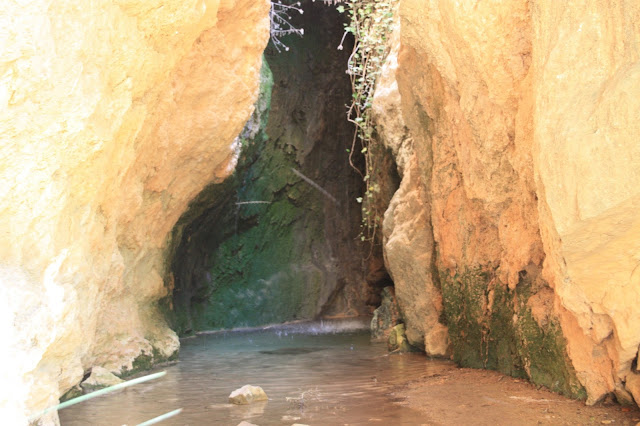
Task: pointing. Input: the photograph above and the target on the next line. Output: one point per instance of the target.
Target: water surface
(316, 373)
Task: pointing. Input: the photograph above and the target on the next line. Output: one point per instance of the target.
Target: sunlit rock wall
(407, 232)
(587, 157)
(114, 114)
(524, 118)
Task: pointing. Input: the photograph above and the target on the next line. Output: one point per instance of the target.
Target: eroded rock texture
(516, 221)
(114, 115)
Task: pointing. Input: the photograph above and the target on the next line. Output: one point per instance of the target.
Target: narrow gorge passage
(163, 176)
(279, 240)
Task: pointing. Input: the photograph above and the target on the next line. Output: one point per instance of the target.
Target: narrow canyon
(167, 170)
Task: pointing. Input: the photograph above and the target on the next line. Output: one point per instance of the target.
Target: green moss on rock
(491, 326)
(463, 298)
(543, 351)
(146, 361)
(398, 341)
(258, 264)
(72, 393)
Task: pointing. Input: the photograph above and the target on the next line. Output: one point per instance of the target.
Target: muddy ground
(462, 396)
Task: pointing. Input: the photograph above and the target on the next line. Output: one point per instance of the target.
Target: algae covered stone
(386, 316)
(99, 378)
(398, 340)
(247, 394)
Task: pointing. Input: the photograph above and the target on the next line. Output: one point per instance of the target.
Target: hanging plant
(371, 23)
(280, 16)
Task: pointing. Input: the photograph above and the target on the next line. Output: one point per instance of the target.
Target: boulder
(386, 316)
(99, 378)
(398, 341)
(623, 397)
(247, 394)
(632, 385)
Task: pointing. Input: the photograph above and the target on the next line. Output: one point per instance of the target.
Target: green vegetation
(260, 253)
(370, 23)
(492, 327)
(258, 276)
(72, 393)
(146, 361)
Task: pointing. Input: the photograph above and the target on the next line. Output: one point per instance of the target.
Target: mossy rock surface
(72, 393)
(491, 326)
(398, 342)
(145, 362)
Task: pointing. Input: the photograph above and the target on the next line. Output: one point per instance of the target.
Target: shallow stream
(326, 373)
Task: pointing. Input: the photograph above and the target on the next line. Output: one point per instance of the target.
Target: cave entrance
(279, 240)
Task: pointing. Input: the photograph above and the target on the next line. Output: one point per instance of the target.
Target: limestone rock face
(587, 158)
(114, 115)
(408, 237)
(524, 120)
(408, 251)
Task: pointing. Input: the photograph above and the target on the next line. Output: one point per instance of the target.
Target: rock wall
(587, 163)
(515, 225)
(115, 114)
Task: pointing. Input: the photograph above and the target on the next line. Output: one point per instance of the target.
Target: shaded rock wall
(115, 114)
(515, 221)
(295, 255)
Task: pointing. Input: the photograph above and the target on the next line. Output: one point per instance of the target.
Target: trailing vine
(370, 23)
(280, 20)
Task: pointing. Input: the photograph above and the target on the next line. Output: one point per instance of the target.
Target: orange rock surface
(524, 119)
(114, 115)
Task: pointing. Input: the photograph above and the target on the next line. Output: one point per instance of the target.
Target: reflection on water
(317, 374)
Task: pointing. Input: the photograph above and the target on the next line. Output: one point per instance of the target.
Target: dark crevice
(291, 252)
(388, 179)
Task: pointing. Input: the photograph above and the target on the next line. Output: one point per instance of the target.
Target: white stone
(247, 394)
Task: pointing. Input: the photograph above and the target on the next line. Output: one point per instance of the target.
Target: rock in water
(99, 378)
(247, 394)
(386, 316)
(398, 340)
